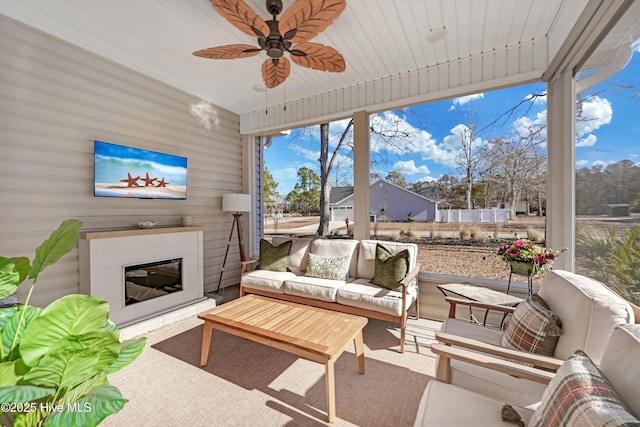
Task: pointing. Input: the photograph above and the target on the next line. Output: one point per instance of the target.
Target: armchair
(617, 396)
(588, 312)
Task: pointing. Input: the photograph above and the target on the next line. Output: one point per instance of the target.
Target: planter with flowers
(528, 258)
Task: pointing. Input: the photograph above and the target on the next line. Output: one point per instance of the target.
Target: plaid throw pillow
(579, 395)
(533, 328)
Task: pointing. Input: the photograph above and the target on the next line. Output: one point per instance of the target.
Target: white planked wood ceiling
(379, 39)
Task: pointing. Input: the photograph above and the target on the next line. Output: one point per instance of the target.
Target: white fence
(473, 215)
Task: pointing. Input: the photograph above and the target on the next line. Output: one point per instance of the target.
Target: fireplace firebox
(152, 280)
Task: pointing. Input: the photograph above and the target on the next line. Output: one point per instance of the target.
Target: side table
(479, 294)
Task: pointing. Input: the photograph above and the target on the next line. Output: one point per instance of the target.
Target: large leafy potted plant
(54, 361)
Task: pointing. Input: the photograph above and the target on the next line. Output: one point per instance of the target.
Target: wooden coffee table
(313, 333)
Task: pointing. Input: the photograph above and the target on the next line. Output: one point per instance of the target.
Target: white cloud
(582, 163)
(587, 141)
(306, 153)
(409, 168)
(596, 112)
(466, 99)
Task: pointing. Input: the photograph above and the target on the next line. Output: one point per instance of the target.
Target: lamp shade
(236, 202)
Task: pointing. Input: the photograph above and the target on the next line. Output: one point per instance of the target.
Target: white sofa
(445, 404)
(589, 311)
(356, 294)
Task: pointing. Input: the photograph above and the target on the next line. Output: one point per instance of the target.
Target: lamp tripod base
(237, 225)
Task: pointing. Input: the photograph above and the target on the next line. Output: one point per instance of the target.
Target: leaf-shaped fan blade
(310, 17)
(319, 57)
(232, 51)
(241, 16)
(273, 74)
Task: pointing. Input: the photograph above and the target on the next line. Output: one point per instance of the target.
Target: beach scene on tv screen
(132, 172)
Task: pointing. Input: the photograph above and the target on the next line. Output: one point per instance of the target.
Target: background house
(389, 202)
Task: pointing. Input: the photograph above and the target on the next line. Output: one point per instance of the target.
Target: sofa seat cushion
(313, 287)
(447, 405)
(266, 280)
(362, 294)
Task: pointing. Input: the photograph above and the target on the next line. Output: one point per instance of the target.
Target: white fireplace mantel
(104, 254)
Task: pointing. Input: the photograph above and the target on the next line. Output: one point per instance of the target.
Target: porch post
(560, 214)
(361, 196)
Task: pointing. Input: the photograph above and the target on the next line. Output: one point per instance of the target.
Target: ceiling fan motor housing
(274, 44)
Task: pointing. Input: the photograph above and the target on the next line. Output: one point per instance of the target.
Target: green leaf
(106, 343)
(9, 277)
(66, 368)
(130, 350)
(23, 266)
(8, 375)
(85, 387)
(69, 315)
(6, 313)
(56, 246)
(12, 333)
(23, 393)
(90, 410)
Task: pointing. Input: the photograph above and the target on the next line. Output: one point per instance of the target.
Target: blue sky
(611, 134)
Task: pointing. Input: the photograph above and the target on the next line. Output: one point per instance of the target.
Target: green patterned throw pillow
(390, 268)
(336, 268)
(274, 258)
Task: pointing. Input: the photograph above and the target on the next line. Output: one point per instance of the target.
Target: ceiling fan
(299, 23)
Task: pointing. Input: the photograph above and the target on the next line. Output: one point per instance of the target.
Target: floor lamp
(236, 203)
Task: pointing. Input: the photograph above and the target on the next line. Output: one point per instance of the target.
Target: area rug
(246, 383)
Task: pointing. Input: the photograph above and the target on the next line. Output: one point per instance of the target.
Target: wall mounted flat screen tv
(132, 172)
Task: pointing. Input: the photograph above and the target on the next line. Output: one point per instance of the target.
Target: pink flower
(520, 242)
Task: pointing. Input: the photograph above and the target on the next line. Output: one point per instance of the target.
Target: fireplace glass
(152, 280)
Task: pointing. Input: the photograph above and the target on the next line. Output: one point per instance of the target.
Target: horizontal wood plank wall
(57, 99)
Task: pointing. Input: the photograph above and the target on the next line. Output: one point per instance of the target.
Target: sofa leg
(417, 303)
(403, 330)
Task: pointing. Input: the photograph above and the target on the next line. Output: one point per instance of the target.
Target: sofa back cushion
(367, 255)
(588, 310)
(297, 254)
(337, 248)
(620, 364)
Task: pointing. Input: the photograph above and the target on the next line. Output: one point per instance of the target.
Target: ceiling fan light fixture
(260, 88)
(434, 36)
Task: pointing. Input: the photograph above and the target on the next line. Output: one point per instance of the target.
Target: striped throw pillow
(579, 395)
(533, 328)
